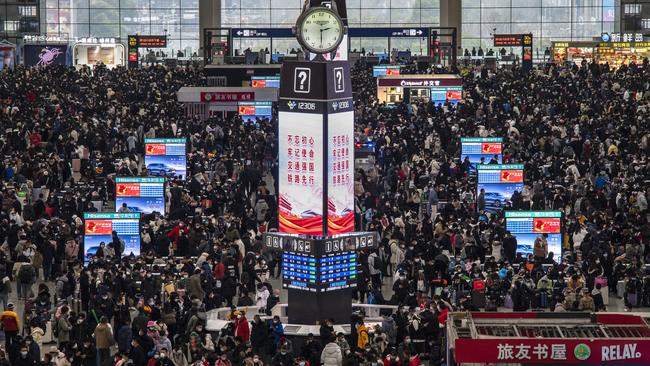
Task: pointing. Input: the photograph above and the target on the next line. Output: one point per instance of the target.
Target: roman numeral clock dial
(320, 30)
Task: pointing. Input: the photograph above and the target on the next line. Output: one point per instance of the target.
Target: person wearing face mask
(223, 361)
(283, 358)
(24, 358)
(242, 326)
(177, 356)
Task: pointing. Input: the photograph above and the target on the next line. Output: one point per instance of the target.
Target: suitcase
(620, 288)
(604, 291)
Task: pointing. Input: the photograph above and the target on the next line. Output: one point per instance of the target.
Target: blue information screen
(141, 195)
(99, 227)
(251, 111)
(166, 158)
(526, 226)
(499, 182)
(299, 271)
(338, 271)
(480, 150)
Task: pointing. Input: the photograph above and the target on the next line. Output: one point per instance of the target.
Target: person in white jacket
(331, 355)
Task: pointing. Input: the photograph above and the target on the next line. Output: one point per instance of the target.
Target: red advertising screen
(546, 225)
(98, 227)
(512, 176)
(155, 149)
(246, 110)
(491, 148)
(128, 189)
(454, 95)
(258, 83)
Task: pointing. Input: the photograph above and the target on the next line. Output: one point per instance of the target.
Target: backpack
(377, 264)
(25, 275)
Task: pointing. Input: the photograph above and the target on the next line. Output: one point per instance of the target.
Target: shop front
(613, 53)
(438, 89)
(96, 51)
(573, 52)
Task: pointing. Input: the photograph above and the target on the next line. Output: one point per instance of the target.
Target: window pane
(591, 14)
(287, 3)
(230, 17)
(432, 3)
(430, 17)
(487, 30)
(165, 16)
(354, 17)
(190, 4)
(550, 15)
(231, 4)
(258, 18)
(79, 3)
(80, 30)
(556, 2)
(255, 4)
(405, 4)
(128, 29)
(375, 4)
(190, 16)
(556, 30)
(495, 3)
(286, 17)
(471, 16)
(404, 16)
(104, 16)
(104, 30)
(190, 31)
(526, 15)
(374, 15)
(497, 15)
(158, 4)
(105, 4)
(586, 30)
(527, 3)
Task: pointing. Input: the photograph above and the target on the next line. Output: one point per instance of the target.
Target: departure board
(338, 271)
(299, 271)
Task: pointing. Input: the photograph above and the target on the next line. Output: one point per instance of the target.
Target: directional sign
(352, 32)
(262, 32)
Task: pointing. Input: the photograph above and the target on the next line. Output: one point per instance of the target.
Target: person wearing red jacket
(175, 233)
(219, 271)
(442, 318)
(242, 327)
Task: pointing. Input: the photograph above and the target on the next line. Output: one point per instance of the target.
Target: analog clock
(320, 30)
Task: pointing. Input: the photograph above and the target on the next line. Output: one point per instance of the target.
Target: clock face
(321, 30)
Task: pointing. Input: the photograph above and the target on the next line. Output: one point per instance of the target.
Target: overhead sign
(262, 32)
(99, 228)
(417, 32)
(526, 226)
(512, 40)
(151, 41)
(383, 70)
(499, 182)
(166, 157)
(481, 150)
(141, 195)
(227, 96)
(46, 38)
(423, 82)
(265, 81)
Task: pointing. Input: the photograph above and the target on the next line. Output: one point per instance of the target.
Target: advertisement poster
(45, 54)
(481, 150)
(340, 173)
(141, 195)
(526, 226)
(99, 227)
(251, 111)
(552, 351)
(301, 173)
(444, 94)
(105, 55)
(499, 182)
(166, 158)
(384, 70)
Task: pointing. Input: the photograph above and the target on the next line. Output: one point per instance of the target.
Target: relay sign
(526, 226)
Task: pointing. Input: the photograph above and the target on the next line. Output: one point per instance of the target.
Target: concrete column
(451, 15)
(209, 16)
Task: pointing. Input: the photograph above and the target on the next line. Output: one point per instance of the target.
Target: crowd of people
(580, 132)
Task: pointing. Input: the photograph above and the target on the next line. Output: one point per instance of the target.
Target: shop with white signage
(439, 89)
(96, 51)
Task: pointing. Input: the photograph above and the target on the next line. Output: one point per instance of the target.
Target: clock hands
(321, 35)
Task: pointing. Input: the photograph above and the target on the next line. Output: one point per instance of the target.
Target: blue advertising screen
(338, 271)
(444, 94)
(166, 158)
(477, 148)
(299, 271)
(141, 195)
(526, 226)
(265, 81)
(383, 70)
(499, 182)
(99, 227)
(250, 111)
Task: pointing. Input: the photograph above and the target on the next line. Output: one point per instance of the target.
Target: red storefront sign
(543, 225)
(98, 227)
(512, 176)
(418, 82)
(155, 149)
(227, 96)
(552, 351)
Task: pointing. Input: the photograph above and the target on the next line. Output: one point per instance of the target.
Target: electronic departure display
(299, 271)
(384, 70)
(99, 227)
(250, 111)
(265, 82)
(338, 271)
(499, 182)
(526, 226)
(481, 150)
(141, 195)
(166, 157)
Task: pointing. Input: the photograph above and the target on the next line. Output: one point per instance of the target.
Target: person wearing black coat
(137, 354)
(259, 334)
(326, 332)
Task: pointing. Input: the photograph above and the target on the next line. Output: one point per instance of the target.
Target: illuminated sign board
(481, 150)
(499, 182)
(338, 271)
(299, 271)
(340, 173)
(513, 40)
(526, 226)
(424, 82)
(99, 228)
(250, 111)
(141, 195)
(265, 81)
(444, 94)
(152, 41)
(166, 157)
(384, 70)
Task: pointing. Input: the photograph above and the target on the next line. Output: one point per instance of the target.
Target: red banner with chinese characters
(227, 96)
(98, 227)
(552, 351)
(491, 148)
(258, 83)
(546, 225)
(512, 176)
(155, 149)
(128, 189)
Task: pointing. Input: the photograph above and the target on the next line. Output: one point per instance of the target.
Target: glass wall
(178, 19)
(546, 19)
(372, 13)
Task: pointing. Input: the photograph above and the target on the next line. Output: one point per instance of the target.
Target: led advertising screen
(526, 226)
(45, 54)
(340, 173)
(499, 182)
(384, 70)
(338, 271)
(446, 94)
(265, 81)
(166, 158)
(481, 150)
(99, 227)
(299, 271)
(141, 195)
(251, 111)
(301, 173)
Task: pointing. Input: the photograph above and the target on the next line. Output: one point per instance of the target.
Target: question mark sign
(302, 75)
(339, 77)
